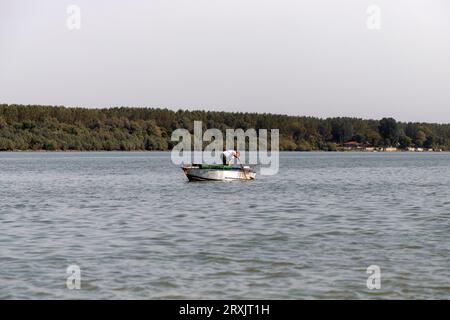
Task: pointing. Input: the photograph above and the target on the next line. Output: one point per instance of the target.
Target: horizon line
(216, 111)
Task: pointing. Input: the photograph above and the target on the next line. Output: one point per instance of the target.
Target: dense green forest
(60, 128)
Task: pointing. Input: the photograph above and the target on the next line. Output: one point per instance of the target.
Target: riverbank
(287, 151)
(51, 128)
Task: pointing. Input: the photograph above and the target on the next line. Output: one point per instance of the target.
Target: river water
(138, 230)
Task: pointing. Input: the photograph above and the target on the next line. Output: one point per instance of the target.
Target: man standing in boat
(229, 155)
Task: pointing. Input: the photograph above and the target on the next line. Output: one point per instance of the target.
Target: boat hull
(199, 174)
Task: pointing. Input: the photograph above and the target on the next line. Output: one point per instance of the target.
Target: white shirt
(229, 154)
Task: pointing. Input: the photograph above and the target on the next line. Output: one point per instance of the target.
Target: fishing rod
(242, 168)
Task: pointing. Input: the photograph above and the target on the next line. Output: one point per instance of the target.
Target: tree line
(35, 127)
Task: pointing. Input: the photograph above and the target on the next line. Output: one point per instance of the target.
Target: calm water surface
(139, 230)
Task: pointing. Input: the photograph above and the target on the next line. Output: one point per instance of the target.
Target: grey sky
(314, 57)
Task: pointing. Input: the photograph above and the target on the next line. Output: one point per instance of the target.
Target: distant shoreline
(154, 151)
(35, 128)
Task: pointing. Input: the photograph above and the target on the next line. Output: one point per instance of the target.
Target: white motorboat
(208, 172)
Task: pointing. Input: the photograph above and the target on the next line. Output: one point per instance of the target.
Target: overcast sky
(311, 57)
